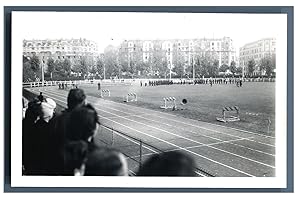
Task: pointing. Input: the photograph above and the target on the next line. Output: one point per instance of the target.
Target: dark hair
(75, 97)
(173, 163)
(33, 110)
(82, 123)
(104, 162)
(75, 153)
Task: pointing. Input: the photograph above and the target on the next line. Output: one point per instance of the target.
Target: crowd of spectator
(63, 144)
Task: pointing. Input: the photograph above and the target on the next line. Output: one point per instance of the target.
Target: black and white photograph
(149, 99)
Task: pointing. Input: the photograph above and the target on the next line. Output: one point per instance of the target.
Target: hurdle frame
(104, 91)
(230, 118)
(132, 100)
(168, 106)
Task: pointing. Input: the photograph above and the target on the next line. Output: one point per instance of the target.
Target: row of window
(169, 44)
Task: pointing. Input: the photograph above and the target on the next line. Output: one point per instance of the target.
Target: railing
(129, 81)
(75, 82)
(115, 138)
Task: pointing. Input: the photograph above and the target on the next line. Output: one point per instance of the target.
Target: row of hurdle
(130, 97)
(170, 103)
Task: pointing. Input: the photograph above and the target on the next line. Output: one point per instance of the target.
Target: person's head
(33, 111)
(82, 123)
(47, 109)
(75, 153)
(105, 162)
(76, 97)
(173, 163)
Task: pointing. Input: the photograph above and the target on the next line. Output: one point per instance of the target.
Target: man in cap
(76, 98)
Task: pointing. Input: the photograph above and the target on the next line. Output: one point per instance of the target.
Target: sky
(107, 28)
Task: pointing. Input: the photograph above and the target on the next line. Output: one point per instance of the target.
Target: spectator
(173, 163)
(105, 162)
(76, 98)
(41, 97)
(39, 140)
(75, 156)
(31, 116)
(82, 124)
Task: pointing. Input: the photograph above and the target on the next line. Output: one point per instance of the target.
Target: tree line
(112, 64)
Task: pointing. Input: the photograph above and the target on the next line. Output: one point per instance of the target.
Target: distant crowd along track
(220, 150)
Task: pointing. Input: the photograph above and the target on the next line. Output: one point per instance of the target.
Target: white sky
(103, 27)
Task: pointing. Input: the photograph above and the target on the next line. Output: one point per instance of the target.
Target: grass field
(256, 101)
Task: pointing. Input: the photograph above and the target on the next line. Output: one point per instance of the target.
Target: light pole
(170, 71)
(193, 69)
(104, 66)
(42, 68)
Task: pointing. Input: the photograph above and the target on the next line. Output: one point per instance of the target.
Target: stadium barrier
(169, 102)
(112, 137)
(105, 92)
(131, 97)
(229, 118)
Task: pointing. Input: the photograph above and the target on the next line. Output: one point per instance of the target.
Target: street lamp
(42, 68)
(193, 61)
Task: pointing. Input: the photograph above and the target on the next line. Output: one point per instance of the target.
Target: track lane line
(159, 129)
(108, 102)
(183, 148)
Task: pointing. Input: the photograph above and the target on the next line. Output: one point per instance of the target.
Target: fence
(77, 82)
(135, 149)
(129, 81)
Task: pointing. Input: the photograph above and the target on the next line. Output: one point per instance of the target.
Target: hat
(48, 107)
(49, 103)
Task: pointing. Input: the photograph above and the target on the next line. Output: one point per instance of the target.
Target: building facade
(256, 51)
(220, 49)
(60, 49)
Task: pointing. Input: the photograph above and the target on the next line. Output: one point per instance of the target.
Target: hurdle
(169, 102)
(105, 91)
(229, 118)
(133, 97)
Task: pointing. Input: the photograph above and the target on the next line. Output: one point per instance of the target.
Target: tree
(157, 61)
(223, 68)
(251, 67)
(232, 67)
(100, 66)
(28, 73)
(35, 63)
(267, 65)
(66, 67)
(213, 68)
(112, 62)
(83, 65)
(163, 68)
(143, 67)
(239, 70)
(51, 66)
(178, 66)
